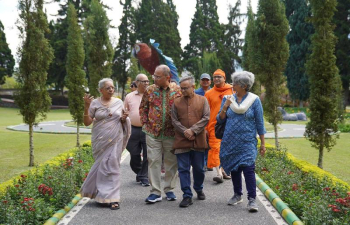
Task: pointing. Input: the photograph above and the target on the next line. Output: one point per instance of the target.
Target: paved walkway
(288, 130)
(213, 210)
(51, 127)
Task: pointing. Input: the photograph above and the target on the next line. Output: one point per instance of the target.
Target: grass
(336, 161)
(14, 149)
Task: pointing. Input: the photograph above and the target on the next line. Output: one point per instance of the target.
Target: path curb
(287, 214)
(60, 213)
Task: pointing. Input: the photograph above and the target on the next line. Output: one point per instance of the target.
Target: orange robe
(215, 96)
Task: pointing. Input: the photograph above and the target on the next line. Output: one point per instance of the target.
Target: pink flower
(295, 187)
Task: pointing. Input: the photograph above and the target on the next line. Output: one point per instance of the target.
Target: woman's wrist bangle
(86, 115)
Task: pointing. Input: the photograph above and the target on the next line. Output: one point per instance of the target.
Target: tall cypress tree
(325, 84)
(272, 56)
(250, 48)
(99, 51)
(206, 34)
(7, 61)
(74, 66)
(299, 39)
(232, 41)
(127, 39)
(342, 52)
(35, 56)
(157, 20)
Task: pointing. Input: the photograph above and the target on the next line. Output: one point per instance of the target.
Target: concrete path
(134, 210)
(288, 130)
(51, 127)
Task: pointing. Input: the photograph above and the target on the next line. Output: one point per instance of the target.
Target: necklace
(105, 104)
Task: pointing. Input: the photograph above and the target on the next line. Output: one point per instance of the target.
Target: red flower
(17, 185)
(49, 177)
(5, 202)
(326, 189)
(23, 176)
(277, 187)
(295, 187)
(80, 161)
(290, 172)
(335, 210)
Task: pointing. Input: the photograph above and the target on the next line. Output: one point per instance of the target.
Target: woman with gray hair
(109, 136)
(243, 114)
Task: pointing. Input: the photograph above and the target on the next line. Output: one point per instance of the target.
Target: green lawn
(336, 161)
(14, 148)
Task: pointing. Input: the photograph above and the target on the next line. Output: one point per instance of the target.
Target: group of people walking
(175, 125)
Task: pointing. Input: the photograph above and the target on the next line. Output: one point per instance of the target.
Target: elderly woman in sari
(110, 134)
(243, 114)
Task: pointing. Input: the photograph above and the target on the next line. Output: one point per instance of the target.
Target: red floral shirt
(155, 110)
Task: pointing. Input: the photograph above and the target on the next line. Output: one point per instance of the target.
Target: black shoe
(200, 195)
(187, 201)
(145, 183)
(137, 180)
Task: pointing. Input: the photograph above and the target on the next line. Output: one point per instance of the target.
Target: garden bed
(36, 195)
(314, 195)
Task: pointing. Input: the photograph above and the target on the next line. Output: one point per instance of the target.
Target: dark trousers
(250, 181)
(136, 145)
(184, 163)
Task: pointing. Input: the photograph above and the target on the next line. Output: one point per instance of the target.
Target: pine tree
(121, 62)
(206, 34)
(7, 61)
(99, 51)
(157, 20)
(342, 52)
(249, 49)
(232, 41)
(272, 55)
(325, 84)
(74, 66)
(209, 63)
(297, 11)
(36, 54)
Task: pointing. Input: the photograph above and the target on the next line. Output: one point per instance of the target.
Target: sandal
(225, 176)
(114, 205)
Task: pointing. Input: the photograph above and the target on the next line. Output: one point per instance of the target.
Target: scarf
(244, 106)
(226, 89)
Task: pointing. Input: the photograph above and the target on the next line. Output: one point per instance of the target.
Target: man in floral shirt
(155, 113)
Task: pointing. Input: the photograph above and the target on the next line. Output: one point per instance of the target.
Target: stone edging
(287, 214)
(60, 213)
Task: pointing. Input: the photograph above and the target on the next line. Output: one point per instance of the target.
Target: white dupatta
(244, 106)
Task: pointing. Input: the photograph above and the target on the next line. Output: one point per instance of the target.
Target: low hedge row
(34, 196)
(314, 195)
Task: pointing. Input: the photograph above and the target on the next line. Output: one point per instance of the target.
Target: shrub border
(62, 212)
(287, 214)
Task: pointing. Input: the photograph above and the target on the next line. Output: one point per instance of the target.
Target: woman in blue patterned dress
(244, 119)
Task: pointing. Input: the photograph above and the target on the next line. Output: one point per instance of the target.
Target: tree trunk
(31, 146)
(320, 157)
(345, 94)
(301, 104)
(78, 137)
(276, 136)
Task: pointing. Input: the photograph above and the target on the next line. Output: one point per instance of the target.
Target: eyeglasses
(143, 81)
(184, 88)
(217, 77)
(155, 77)
(109, 88)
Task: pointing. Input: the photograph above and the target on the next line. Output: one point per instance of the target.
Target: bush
(315, 196)
(34, 197)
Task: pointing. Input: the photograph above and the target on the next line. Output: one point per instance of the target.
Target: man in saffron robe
(214, 97)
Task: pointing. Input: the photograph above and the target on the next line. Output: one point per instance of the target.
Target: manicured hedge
(36, 195)
(314, 195)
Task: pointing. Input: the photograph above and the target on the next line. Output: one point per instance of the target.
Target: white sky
(185, 9)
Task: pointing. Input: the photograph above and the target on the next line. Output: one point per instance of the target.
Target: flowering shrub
(315, 196)
(34, 197)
